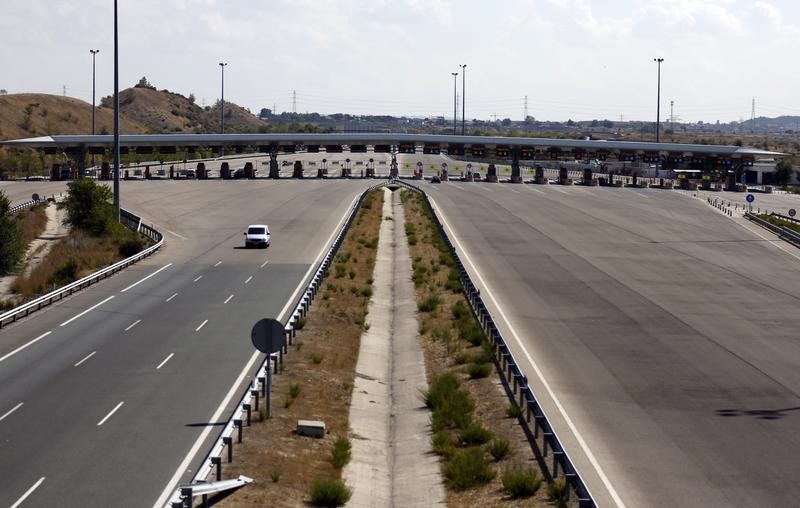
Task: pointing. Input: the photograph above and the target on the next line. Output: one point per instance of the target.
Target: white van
(257, 235)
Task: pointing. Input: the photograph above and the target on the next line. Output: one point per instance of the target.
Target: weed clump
(521, 483)
(330, 493)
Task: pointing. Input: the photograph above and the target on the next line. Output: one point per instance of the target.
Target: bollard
(254, 393)
(217, 462)
(238, 424)
(249, 413)
(228, 442)
(186, 496)
(263, 382)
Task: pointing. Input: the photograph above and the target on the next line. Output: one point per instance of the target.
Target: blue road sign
(750, 198)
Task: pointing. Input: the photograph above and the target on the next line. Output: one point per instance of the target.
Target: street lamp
(463, 99)
(222, 100)
(116, 112)
(94, 52)
(658, 99)
(455, 101)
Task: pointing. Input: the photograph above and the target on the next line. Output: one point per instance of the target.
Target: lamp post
(463, 97)
(222, 100)
(116, 113)
(658, 97)
(94, 53)
(455, 101)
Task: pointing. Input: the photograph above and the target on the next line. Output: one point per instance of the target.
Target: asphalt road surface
(125, 376)
(666, 331)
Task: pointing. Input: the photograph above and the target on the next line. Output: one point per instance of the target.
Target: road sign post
(268, 336)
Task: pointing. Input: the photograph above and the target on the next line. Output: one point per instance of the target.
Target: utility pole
(222, 100)
(753, 117)
(63, 90)
(294, 101)
(525, 117)
(463, 97)
(116, 113)
(658, 99)
(671, 115)
(94, 53)
(455, 101)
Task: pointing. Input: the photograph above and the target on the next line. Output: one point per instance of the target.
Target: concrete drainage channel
(256, 391)
(535, 421)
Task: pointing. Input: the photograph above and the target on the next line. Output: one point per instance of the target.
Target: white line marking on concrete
(101, 422)
(642, 195)
(70, 320)
(218, 263)
(37, 339)
(484, 188)
(198, 278)
(584, 446)
(513, 190)
(144, 279)
(8, 413)
(227, 300)
(248, 279)
(167, 492)
(86, 358)
(458, 186)
(171, 297)
(176, 234)
(133, 324)
(28, 493)
(264, 264)
(535, 190)
(201, 325)
(165, 360)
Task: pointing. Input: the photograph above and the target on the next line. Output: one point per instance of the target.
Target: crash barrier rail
(511, 373)
(128, 219)
(783, 233)
(257, 388)
(25, 205)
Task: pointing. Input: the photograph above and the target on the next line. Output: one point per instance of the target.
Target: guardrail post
(186, 497)
(254, 393)
(228, 442)
(217, 463)
(546, 436)
(238, 424)
(263, 382)
(556, 457)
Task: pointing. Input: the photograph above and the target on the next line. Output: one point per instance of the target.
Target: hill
(29, 115)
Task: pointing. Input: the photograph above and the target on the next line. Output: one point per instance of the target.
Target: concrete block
(311, 428)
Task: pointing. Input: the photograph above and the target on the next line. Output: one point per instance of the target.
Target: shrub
(442, 387)
(131, 245)
(341, 453)
(330, 493)
(474, 434)
(442, 444)
(12, 247)
(513, 410)
(557, 492)
(352, 274)
(89, 207)
(470, 331)
(301, 322)
(294, 390)
(275, 476)
(455, 412)
(459, 310)
(468, 468)
(478, 370)
(521, 483)
(499, 449)
(340, 269)
(66, 273)
(412, 240)
(366, 291)
(430, 303)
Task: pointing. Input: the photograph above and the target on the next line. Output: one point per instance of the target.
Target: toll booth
(588, 179)
(225, 171)
(249, 172)
(539, 176)
(491, 173)
(563, 176)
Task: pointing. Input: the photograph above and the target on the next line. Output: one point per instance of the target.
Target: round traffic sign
(792, 212)
(750, 198)
(268, 336)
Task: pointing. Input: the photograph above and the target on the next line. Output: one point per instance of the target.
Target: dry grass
(446, 352)
(322, 363)
(32, 223)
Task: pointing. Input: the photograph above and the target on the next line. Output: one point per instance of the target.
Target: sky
(573, 59)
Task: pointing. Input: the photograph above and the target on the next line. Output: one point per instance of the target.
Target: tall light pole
(94, 53)
(658, 99)
(222, 100)
(455, 100)
(463, 97)
(116, 113)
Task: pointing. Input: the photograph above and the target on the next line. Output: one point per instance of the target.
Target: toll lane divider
(534, 419)
(128, 219)
(257, 388)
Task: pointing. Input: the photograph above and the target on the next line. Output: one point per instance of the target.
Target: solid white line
(165, 361)
(248, 279)
(264, 264)
(86, 358)
(171, 297)
(133, 324)
(70, 320)
(11, 411)
(201, 325)
(37, 339)
(198, 278)
(218, 263)
(28, 493)
(101, 422)
(536, 190)
(584, 446)
(170, 487)
(144, 279)
(227, 300)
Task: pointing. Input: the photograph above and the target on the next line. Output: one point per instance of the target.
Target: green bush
(90, 207)
(442, 444)
(454, 413)
(499, 449)
(513, 410)
(131, 245)
(459, 310)
(341, 270)
(294, 390)
(366, 291)
(470, 331)
(557, 492)
(520, 483)
(478, 370)
(66, 273)
(341, 453)
(441, 388)
(474, 434)
(430, 303)
(330, 493)
(12, 248)
(468, 468)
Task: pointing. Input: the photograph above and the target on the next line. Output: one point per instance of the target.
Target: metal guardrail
(25, 205)
(783, 233)
(509, 368)
(250, 399)
(126, 218)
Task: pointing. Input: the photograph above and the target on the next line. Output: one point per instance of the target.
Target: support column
(249, 171)
(81, 163)
(298, 170)
(274, 172)
(393, 172)
(491, 173)
(225, 171)
(516, 177)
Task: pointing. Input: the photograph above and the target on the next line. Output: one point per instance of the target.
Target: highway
(665, 330)
(104, 395)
